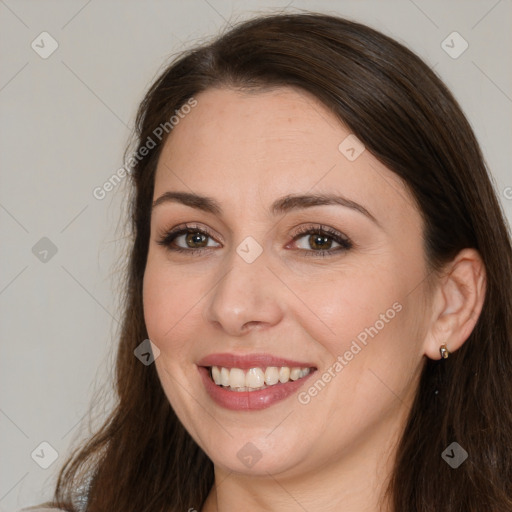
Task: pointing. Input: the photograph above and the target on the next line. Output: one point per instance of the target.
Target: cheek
(164, 315)
(172, 310)
(164, 297)
(367, 322)
(154, 302)
(345, 305)
(163, 307)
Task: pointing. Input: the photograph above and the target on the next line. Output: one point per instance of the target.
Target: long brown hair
(142, 458)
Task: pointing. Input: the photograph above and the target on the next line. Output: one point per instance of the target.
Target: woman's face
(260, 293)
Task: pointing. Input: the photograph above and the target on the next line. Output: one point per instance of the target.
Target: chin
(258, 452)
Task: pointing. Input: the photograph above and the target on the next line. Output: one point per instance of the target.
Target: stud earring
(444, 351)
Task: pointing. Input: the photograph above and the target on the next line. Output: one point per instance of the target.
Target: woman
(324, 272)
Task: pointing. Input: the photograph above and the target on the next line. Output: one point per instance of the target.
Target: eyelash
(345, 243)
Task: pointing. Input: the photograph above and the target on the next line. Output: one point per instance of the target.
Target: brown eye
(195, 240)
(320, 240)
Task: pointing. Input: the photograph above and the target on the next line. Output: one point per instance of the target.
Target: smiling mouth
(255, 379)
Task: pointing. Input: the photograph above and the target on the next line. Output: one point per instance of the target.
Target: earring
(444, 351)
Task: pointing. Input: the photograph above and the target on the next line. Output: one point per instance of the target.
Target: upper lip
(245, 362)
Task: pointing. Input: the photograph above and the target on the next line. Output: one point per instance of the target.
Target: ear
(456, 304)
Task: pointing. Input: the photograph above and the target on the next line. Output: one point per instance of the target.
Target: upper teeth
(255, 378)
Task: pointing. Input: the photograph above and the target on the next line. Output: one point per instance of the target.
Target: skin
(334, 453)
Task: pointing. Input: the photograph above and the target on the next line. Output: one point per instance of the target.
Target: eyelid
(185, 227)
(303, 230)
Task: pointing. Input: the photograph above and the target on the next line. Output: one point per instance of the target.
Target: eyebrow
(282, 205)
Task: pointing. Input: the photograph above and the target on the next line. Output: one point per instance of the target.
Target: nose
(247, 296)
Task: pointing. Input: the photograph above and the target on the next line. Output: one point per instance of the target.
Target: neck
(355, 480)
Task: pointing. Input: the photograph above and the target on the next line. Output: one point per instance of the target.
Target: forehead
(281, 125)
(250, 148)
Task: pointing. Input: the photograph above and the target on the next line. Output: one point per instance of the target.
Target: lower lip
(250, 400)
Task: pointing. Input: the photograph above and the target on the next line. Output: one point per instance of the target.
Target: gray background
(65, 122)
